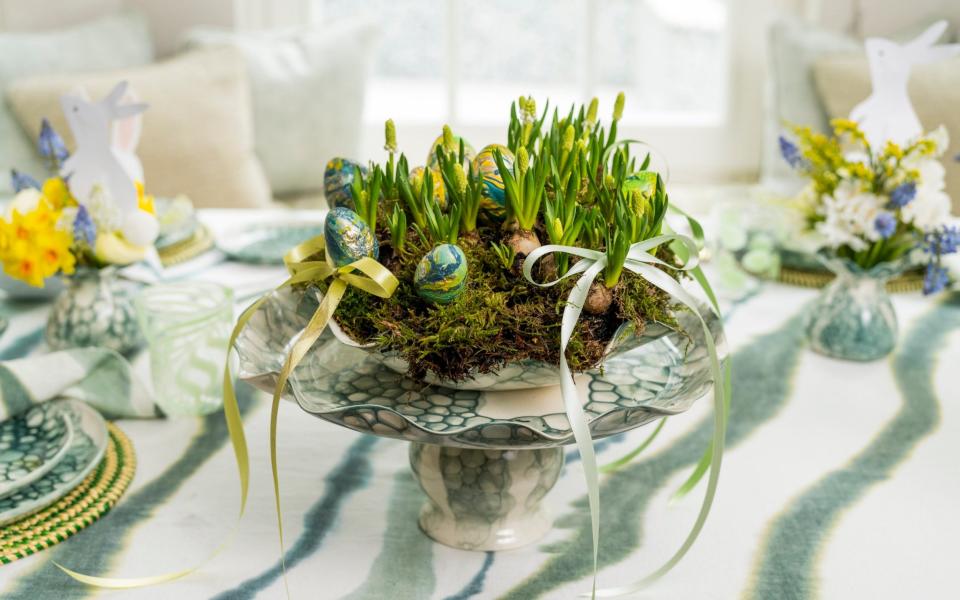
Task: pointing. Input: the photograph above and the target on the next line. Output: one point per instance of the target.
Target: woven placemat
(912, 281)
(86, 503)
(182, 251)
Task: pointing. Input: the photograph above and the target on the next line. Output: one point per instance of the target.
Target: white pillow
(112, 42)
(308, 87)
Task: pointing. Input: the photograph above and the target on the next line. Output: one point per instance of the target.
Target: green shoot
(442, 227)
(525, 187)
(366, 194)
(397, 223)
(463, 188)
(505, 253)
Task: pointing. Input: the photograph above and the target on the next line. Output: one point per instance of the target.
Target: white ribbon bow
(639, 261)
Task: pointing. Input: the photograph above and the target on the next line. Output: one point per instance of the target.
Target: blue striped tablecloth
(841, 480)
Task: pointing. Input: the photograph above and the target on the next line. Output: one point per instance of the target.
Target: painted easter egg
(642, 181)
(439, 190)
(494, 196)
(348, 237)
(442, 274)
(337, 179)
(468, 151)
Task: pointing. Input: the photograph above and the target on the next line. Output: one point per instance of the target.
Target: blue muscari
(936, 243)
(935, 279)
(21, 181)
(84, 229)
(885, 224)
(51, 145)
(790, 153)
(903, 194)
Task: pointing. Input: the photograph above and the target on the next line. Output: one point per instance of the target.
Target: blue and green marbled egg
(468, 151)
(337, 179)
(442, 274)
(439, 190)
(642, 181)
(348, 237)
(494, 195)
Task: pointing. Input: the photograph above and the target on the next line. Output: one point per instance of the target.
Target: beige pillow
(843, 81)
(197, 134)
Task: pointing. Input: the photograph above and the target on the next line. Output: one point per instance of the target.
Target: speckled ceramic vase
(96, 309)
(485, 499)
(853, 318)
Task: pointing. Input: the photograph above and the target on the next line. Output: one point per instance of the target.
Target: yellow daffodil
(56, 192)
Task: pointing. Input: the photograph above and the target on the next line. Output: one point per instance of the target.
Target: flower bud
(568, 138)
(449, 143)
(390, 133)
(523, 160)
(592, 111)
(460, 178)
(618, 107)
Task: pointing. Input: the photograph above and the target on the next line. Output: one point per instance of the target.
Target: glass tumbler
(187, 326)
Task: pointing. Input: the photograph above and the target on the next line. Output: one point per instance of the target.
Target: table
(841, 480)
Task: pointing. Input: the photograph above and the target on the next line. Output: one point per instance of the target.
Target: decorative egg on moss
(348, 237)
(642, 181)
(439, 190)
(442, 274)
(337, 179)
(468, 151)
(494, 196)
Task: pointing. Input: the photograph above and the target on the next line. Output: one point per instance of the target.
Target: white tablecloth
(841, 480)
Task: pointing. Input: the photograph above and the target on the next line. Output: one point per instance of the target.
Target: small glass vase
(95, 309)
(853, 318)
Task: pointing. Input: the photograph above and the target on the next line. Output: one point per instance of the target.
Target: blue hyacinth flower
(21, 181)
(790, 153)
(903, 194)
(885, 224)
(51, 145)
(84, 229)
(935, 279)
(945, 240)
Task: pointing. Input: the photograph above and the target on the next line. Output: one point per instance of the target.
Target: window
(463, 62)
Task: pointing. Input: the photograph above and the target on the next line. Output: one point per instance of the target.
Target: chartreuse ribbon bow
(641, 262)
(365, 274)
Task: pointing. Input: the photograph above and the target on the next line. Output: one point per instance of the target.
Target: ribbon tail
(574, 410)
(721, 380)
(231, 414)
(309, 335)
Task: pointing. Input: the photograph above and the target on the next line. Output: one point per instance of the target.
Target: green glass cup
(187, 326)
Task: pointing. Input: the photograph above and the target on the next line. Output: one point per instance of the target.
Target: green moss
(499, 318)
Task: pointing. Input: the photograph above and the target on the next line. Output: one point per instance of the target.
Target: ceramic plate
(31, 444)
(267, 243)
(662, 376)
(83, 454)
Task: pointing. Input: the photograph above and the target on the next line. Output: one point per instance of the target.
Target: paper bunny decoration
(106, 134)
(888, 114)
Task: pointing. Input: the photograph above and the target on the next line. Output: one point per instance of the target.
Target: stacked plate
(45, 452)
(266, 243)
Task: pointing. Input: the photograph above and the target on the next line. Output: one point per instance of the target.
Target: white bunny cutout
(106, 135)
(888, 114)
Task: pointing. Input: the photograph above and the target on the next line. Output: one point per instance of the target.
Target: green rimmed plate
(31, 444)
(84, 452)
(267, 243)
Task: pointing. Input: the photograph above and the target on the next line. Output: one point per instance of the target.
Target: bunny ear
(126, 131)
(938, 53)
(929, 37)
(113, 98)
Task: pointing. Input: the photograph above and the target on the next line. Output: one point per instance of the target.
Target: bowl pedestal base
(485, 499)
